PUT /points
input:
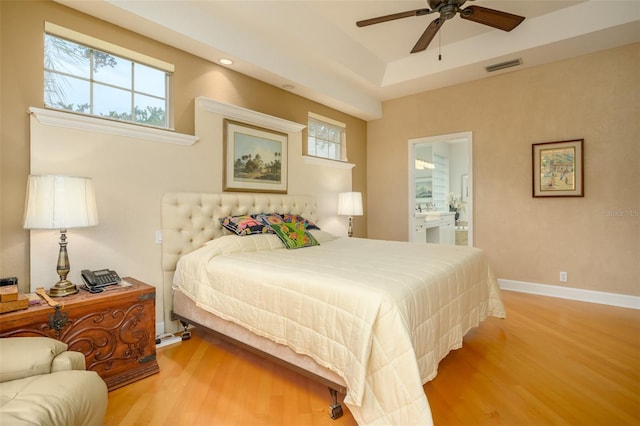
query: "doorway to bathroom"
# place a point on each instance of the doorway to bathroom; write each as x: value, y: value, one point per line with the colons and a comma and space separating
x: 441, y: 189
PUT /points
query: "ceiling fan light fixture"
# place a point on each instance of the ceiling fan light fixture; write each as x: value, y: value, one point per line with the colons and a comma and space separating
x: 448, y: 11
x: 503, y: 65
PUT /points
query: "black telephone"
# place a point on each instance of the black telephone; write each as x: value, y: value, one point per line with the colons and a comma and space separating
x: 99, y: 278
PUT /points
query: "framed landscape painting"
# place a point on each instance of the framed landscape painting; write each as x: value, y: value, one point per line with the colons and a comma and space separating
x: 255, y: 159
x: 424, y: 188
x: 558, y: 169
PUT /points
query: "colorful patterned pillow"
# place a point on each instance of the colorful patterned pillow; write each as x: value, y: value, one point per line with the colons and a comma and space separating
x: 289, y: 217
x: 245, y: 225
x: 265, y: 219
x: 292, y: 234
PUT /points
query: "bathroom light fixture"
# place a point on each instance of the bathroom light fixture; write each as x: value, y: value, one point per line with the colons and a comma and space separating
x: 423, y: 164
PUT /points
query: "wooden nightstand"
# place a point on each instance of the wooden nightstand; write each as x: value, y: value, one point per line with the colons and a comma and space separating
x: 115, y: 329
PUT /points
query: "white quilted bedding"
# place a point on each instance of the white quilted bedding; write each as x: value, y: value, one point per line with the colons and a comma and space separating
x: 380, y: 314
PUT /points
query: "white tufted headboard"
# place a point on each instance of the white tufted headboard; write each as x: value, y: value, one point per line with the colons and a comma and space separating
x: 190, y: 219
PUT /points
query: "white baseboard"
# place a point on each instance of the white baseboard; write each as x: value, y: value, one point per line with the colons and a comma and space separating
x: 603, y: 298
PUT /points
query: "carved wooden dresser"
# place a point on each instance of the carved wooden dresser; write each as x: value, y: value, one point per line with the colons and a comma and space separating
x: 115, y: 329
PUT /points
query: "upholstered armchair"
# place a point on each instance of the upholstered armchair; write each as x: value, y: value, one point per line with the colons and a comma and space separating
x: 41, y: 383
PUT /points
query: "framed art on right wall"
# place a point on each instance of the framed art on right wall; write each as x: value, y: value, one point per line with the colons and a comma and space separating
x: 558, y: 169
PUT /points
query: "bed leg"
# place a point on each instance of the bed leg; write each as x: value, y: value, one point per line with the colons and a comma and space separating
x: 335, y: 409
x: 186, y: 334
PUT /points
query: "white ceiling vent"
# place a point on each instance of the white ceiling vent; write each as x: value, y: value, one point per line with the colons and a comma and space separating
x: 503, y: 65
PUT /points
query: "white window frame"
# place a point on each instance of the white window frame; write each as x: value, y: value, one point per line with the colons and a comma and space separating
x: 332, y: 123
x: 136, y: 57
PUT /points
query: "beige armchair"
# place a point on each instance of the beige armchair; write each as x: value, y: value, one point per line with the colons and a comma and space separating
x: 41, y: 383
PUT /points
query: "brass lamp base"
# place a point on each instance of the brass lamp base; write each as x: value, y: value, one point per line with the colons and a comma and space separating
x: 63, y: 288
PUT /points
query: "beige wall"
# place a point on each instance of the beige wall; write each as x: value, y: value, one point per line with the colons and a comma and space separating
x: 595, y: 97
x: 596, y: 239
x: 21, y: 84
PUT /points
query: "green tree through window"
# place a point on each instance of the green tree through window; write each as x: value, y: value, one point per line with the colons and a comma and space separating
x: 81, y: 79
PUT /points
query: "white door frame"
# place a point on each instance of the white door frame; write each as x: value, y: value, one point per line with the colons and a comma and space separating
x: 452, y: 137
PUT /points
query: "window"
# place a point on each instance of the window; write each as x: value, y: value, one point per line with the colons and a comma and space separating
x: 88, y: 76
x: 326, y: 138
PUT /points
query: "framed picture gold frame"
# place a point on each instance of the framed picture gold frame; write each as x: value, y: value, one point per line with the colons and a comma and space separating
x: 255, y: 159
x: 558, y: 169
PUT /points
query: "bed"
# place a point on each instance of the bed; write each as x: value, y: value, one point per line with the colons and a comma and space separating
x: 370, y: 319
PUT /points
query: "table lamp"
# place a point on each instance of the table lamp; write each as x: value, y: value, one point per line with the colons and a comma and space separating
x: 60, y: 202
x: 350, y: 204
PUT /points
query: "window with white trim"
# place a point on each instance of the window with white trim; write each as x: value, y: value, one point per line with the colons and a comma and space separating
x: 93, y: 77
x: 326, y: 138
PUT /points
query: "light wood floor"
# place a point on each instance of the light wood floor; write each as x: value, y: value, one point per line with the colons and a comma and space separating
x: 551, y: 362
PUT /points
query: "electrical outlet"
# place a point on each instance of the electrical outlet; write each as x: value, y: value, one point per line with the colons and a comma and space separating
x: 563, y: 277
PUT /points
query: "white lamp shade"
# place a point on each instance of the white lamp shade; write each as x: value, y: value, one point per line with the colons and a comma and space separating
x: 350, y: 204
x: 59, y: 202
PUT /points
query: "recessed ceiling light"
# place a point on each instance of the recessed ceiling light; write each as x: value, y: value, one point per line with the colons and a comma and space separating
x: 288, y: 86
x: 225, y: 61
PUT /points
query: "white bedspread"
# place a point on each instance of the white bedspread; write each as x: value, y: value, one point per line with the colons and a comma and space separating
x: 380, y: 314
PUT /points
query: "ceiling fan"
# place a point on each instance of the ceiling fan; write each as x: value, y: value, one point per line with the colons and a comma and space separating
x: 447, y: 10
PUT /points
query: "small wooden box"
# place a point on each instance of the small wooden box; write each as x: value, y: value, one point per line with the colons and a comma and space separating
x: 115, y: 329
x: 8, y: 293
x: 21, y: 302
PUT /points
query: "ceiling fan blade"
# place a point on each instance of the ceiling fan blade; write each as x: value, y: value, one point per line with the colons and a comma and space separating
x: 428, y: 35
x: 393, y: 16
x: 494, y: 18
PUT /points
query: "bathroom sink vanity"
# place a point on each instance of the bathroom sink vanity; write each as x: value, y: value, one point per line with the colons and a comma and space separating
x: 435, y: 227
